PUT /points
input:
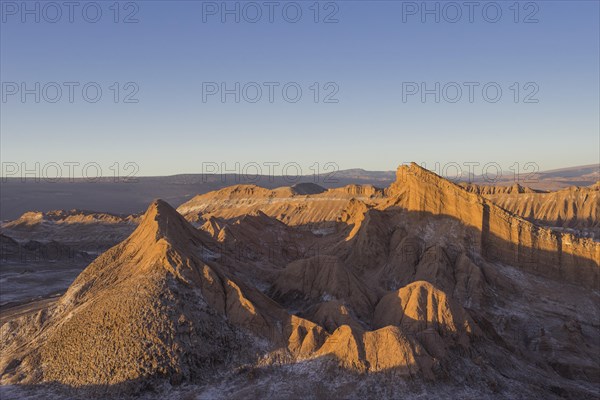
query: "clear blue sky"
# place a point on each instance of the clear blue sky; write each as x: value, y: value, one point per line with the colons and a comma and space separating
x: 368, y: 54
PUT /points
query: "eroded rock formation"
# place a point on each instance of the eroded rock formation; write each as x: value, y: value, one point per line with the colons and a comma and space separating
x: 425, y: 281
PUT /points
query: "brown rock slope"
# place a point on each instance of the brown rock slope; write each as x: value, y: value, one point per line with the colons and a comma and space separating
x: 498, y: 233
x: 504, y: 236
x: 290, y: 206
x: 380, y: 350
x: 575, y: 208
x: 324, y: 278
x: 425, y: 280
x: 154, y: 307
x: 147, y: 308
x: 420, y: 307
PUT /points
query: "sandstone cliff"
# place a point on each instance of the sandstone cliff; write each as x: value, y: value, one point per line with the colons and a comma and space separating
x: 505, y: 237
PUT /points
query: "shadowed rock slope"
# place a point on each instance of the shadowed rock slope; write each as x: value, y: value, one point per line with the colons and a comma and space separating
x: 504, y: 237
x: 424, y: 283
x: 153, y: 307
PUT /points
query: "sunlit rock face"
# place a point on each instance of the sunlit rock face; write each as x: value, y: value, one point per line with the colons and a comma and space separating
x: 422, y: 283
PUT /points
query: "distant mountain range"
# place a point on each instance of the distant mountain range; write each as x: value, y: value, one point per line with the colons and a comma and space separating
x: 106, y: 195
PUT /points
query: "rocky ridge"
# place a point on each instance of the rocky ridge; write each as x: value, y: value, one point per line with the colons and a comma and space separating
x: 423, y: 281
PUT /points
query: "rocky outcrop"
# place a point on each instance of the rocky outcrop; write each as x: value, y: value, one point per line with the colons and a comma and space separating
x: 435, y: 267
x: 332, y: 314
x: 85, y: 230
x: 425, y: 280
x: 470, y: 282
x: 148, y: 308
x: 573, y: 208
x: 497, y: 190
x: 504, y: 237
x: 420, y: 307
x: 294, y: 206
x: 324, y: 278
x: 384, y: 349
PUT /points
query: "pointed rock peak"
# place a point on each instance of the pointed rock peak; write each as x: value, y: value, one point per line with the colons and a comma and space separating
x: 427, y: 191
x: 255, y: 214
x: 517, y: 188
x: 159, y: 204
x: 414, y: 170
x: 257, y: 219
x: 161, y: 220
x: 160, y: 210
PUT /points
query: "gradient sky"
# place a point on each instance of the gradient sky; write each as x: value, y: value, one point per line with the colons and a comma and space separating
x: 369, y: 53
